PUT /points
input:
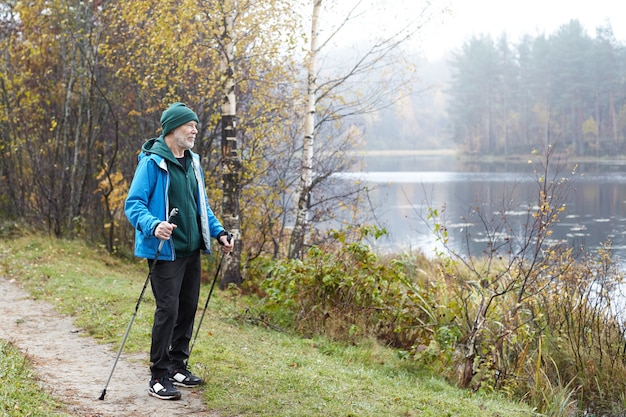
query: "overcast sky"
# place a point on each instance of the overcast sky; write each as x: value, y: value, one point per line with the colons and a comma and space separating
x: 465, y: 18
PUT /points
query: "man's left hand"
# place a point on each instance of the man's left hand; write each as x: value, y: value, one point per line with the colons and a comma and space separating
x: 227, y: 242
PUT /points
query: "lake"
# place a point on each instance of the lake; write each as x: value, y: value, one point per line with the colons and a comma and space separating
x: 408, y: 186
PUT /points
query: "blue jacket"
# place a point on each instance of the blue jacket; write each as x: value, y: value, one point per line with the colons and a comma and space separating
x: 147, y: 204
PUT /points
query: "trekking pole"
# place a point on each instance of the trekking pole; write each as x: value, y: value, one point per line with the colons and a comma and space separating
x: 219, y: 265
x: 173, y: 213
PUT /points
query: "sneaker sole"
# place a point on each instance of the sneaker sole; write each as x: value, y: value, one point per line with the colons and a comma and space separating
x: 163, y: 397
x: 180, y: 384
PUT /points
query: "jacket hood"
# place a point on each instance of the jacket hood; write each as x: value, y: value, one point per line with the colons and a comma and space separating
x: 158, y: 146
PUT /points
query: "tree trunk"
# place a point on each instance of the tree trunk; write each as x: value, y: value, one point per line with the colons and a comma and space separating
x: 469, y: 347
x: 298, y: 237
x: 231, y: 162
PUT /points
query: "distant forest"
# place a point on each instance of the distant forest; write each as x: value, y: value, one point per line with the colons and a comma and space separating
x: 503, y: 98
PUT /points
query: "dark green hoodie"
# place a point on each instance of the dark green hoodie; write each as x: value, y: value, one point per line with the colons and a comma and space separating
x: 182, y: 194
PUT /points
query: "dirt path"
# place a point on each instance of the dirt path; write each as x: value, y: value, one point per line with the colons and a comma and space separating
x: 74, y: 368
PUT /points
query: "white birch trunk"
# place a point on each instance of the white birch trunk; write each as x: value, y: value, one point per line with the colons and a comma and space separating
x: 298, y: 237
x: 230, y: 156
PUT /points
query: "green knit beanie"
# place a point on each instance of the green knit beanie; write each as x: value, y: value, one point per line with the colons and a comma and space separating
x: 176, y: 115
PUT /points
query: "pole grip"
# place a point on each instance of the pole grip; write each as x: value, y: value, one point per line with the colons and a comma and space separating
x: 173, y: 213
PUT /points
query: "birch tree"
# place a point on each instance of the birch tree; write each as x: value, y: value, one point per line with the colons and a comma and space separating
x: 254, y: 42
x: 367, y: 79
x: 231, y: 162
x: 306, y: 169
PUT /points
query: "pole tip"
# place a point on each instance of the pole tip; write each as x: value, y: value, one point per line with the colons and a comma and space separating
x: 104, y: 392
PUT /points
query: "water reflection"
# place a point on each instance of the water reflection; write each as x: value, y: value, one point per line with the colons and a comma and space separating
x: 595, y: 201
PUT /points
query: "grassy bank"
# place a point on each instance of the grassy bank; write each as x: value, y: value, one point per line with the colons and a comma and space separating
x: 19, y: 394
x: 251, y: 370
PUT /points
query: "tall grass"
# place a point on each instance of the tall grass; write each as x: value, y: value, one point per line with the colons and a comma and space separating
x: 562, y: 326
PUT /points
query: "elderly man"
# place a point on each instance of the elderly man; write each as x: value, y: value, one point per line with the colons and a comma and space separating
x: 168, y: 176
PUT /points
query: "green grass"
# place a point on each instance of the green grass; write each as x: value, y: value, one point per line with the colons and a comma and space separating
x: 19, y: 393
x: 250, y: 370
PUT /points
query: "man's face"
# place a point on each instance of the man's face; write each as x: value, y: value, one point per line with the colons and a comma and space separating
x: 185, y: 135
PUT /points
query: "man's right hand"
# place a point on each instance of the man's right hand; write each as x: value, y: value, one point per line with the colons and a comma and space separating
x: 164, y: 230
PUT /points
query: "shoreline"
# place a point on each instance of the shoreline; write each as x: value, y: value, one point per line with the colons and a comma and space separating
x: 405, y: 152
x: 616, y: 159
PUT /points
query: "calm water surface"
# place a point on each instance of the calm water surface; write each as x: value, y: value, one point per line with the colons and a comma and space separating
x: 409, y: 186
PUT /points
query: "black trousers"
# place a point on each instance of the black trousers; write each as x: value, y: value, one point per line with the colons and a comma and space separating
x: 176, y: 289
